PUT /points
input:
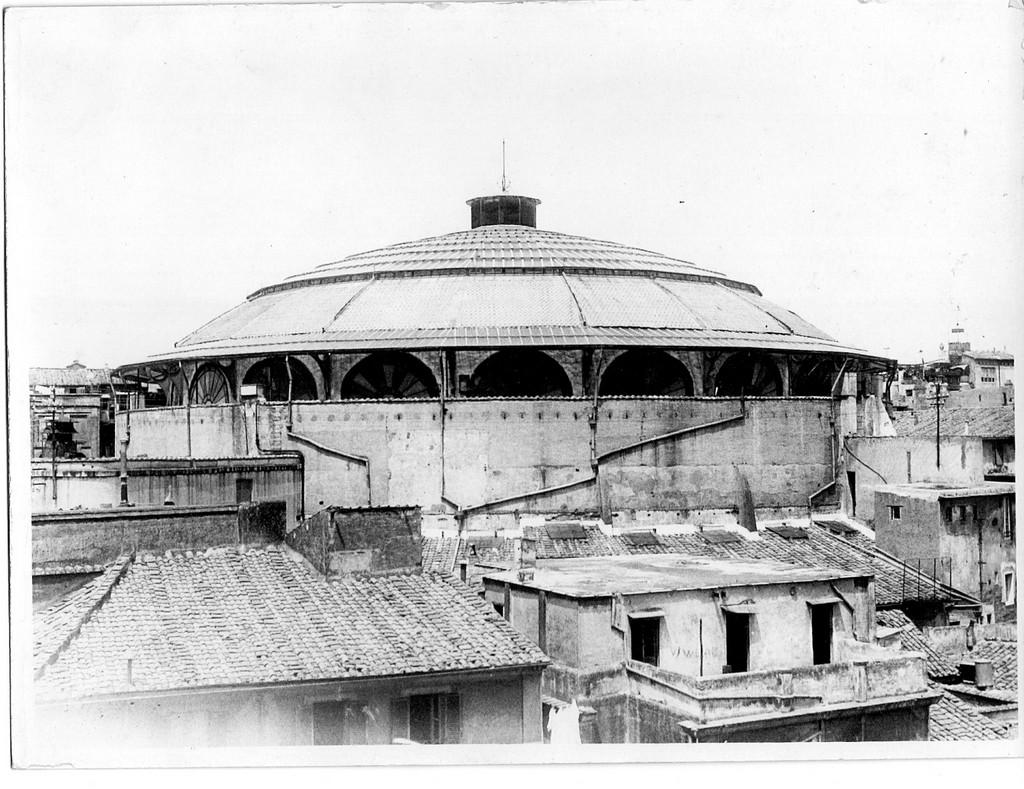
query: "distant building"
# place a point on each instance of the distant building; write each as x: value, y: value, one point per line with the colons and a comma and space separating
x: 987, y: 369
x: 972, y: 530
x: 72, y: 411
x: 253, y: 647
x: 970, y: 446
x: 676, y: 648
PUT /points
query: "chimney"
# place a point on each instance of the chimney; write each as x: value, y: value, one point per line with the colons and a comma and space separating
x: 503, y: 210
x: 984, y: 674
x: 527, y: 559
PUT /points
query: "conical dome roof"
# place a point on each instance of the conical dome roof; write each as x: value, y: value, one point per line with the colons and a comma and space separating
x: 500, y: 285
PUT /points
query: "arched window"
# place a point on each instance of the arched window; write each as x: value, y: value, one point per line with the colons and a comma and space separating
x: 750, y: 374
x: 271, y: 375
x: 812, y: 377
x: 646, y: 373
x: 520, y: 373
x: 209, y: 386
x: 389, y: 374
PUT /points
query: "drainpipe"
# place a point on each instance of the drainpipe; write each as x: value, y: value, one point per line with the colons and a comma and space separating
x: 595, y: 465
x: 443, y: 360
x: 188, y: 411
x: 288, y: 368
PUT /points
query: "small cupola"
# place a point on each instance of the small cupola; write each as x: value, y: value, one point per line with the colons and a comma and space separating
x: 503, y: 210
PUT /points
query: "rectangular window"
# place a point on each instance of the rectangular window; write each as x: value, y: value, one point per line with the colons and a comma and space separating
x: 821, y: 633
x: 895, y: 512
x: 988, y: 375
x: 1009, y: 587
x: 338, y: 723
x: 737, y: 642
x: 243, y: 491
x: 429, y: 719
x: 645, y: 639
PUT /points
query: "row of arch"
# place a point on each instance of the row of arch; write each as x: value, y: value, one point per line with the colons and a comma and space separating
x: 521, y: 373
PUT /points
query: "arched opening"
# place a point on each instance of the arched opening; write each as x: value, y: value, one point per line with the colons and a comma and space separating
x: 520, y: 373
x: 749, y: 374
x: 389, y: 374
x: 209, y: 386
x: 812, y: 377
x: 271, y: 376
x: 646, y: 373
x: 155, y: 395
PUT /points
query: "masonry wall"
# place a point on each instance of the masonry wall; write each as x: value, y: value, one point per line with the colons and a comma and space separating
x: 884, y: 461
x: 390, y: 453
x: 692, y: 636
x: 92, y: 484
x: 926, y: 530
x: 496, y: 707
x: 96, y: 537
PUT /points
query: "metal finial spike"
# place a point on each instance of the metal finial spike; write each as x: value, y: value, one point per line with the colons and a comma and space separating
x: 504, y: 179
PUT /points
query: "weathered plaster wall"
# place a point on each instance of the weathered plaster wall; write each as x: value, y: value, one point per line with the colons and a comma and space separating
x: 501, y: 707
x: 925, y: 530
x: 96, y: 483
x: 693, y: 639
x: 494, y: 449
x: 961, y: 463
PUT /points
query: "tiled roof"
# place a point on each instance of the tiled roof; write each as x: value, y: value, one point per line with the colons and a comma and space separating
x: 937, y: 665
x: 227, y: 617
x: 73, y: 375
x: 1003, y: 655
x: 895, y: 582
x: 951, y: 719
x: 983, y: 421
x: 1002, y: 356
x: 439, y: 554
x: 56, y: 624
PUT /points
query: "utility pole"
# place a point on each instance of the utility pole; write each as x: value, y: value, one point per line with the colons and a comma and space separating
x: 938, y: 397
x: 53, y: 440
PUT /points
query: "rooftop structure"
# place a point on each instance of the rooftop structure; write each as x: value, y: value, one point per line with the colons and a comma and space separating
x: 806, y: 545
x: 264, y: 650
x: 675, y: 648
x: 628, y: 575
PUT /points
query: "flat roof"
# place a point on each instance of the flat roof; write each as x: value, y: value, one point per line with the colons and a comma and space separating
x: 606, y: 576
x: 933, y: 491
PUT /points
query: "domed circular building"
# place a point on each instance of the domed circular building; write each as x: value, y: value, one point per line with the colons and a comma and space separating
x: 397, y: 372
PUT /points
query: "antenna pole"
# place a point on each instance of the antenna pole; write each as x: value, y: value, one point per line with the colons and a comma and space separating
x: 504, y: 180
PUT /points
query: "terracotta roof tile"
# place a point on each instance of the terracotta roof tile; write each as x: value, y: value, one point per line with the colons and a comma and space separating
x: 983, y: 421
x: 938, y: 666
x: 226, y: 617
x: 951, y: 719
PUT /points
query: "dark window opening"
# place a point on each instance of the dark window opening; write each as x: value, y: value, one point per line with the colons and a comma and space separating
x: 646, y: 373
x: 338, y: 723
x: 272, y: 378
x: 737, y: 642
x: 520, y: 373
x: 821, y: 633
x: 645, y: 638
x: 432, y: 719
x: 851, y: 483
x: 895, y: 512
x: 243, y: 491
x: 748, y: 374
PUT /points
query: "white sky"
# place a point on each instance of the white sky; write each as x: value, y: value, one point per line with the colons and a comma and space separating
x: 861, y: 163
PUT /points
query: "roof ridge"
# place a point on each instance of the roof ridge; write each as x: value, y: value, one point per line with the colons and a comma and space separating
x: 118, y: 569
